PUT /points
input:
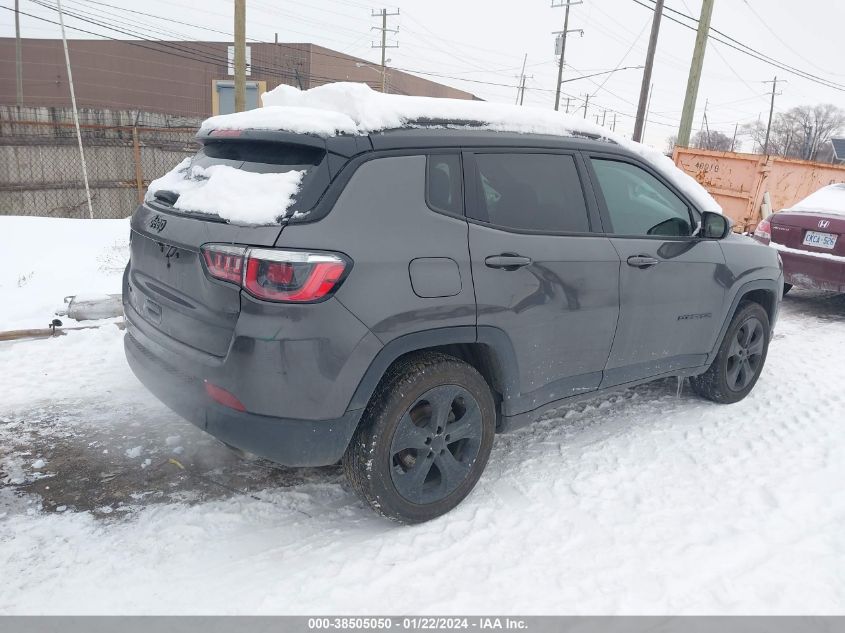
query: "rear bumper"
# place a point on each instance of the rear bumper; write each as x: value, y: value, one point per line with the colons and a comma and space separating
x: 287, y: 441
x: 813, y: 272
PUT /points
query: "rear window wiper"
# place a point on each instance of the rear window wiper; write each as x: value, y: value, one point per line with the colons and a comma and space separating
x: 165, y: 195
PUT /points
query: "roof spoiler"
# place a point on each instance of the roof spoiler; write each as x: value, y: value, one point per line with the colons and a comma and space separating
x: 343, y: 144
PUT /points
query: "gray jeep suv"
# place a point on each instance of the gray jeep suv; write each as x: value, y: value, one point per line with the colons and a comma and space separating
x: 433, y: 287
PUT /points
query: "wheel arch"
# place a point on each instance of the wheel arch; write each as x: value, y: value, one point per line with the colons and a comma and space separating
x: 487, y: 349
x: 764, y: 292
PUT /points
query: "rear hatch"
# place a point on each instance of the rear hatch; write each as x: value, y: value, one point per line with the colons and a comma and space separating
x: 168, y: 286
x: 811, y: 231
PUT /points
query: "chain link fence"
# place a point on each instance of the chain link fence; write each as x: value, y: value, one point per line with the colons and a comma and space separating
x: 40, y: 167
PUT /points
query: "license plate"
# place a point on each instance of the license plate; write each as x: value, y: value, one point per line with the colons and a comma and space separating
x: 820, y: 240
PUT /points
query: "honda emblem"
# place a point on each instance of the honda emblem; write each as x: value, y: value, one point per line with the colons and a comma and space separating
x: 823, y: 224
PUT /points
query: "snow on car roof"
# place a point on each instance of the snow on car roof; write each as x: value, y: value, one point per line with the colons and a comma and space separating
x: 353, y: 108
x: 829, y: 199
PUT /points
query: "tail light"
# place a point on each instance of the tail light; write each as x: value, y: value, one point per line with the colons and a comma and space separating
x: 224, y: 262
x: 276, y: 274
x: 763, y: 230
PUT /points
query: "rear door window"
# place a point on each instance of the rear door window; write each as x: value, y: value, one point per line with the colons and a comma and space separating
x: 531, y: 192
x: 444, y: 183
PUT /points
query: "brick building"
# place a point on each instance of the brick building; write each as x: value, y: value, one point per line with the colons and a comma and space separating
x: 183, y: 78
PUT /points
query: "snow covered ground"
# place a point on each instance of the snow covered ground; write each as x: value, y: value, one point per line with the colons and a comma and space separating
x: 46, y: 259
x: 642, y: 502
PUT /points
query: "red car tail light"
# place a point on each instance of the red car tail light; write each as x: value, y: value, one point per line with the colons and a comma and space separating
x: 763, y: 230
x: 221, y: 396
x: 224, y: 262
x: 294, y: 276
x: 277, y: 274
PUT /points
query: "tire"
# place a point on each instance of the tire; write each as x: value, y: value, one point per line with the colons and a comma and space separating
x: 404, y: 460
x: 740, y: 359
x: 786, y: 288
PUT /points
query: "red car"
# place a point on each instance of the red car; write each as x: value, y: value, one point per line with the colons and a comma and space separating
x: 810, y: 237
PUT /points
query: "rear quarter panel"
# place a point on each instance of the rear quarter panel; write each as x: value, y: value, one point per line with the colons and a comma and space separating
x: 381, y: 220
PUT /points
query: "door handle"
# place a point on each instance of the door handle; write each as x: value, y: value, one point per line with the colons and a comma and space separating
x: 507, y: 261
x: 642, y: 261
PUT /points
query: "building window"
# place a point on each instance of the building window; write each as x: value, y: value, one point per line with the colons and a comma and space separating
x: 223, y: 95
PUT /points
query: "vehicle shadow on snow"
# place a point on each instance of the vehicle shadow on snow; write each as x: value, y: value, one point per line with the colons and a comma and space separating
x: 78, y: 459
x: 83, y: 459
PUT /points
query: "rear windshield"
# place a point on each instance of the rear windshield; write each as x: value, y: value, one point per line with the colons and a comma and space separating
x: 258, y: 156
x: 266, y: 157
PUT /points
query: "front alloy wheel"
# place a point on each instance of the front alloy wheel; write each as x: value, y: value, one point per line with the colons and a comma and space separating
x: 740, y: 359
x: 745, y: 355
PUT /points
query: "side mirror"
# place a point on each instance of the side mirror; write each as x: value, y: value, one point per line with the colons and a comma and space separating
x: 714, y: 226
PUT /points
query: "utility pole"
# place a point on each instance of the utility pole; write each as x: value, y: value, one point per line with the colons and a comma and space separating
x: 733, y: 140
x: 613, y: 127
x: 603, y: 118
x: 18, y: 56
x: 705, y: 126
x: 645, y: 92
x: 774, y: 83
x: 567, y: 4
x: 647, y: 110
x: 522, y: 94
x: 586, y: 104
x: 695, y: 72
x: 75, y: 112
x: 521, y: 85
x: 384, y: 45
x: 240, y: 55
x: 567, y: 104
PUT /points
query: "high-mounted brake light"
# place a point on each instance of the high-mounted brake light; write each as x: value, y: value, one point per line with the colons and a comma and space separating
x: 226, y: 133
x: 764, y: 230
x: 277, y: 274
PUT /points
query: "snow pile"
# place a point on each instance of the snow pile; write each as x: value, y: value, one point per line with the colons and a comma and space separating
x: 294, y: 119
x: 351, y: 108
x: 43, y: 260
x: 830, y: 199
x: 235, y: 195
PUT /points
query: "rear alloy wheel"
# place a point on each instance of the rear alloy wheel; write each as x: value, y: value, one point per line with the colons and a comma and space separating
x: 740, y: 359
x: 424, y: 439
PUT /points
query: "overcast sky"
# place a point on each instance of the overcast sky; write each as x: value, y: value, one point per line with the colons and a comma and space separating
x: 485, y: 42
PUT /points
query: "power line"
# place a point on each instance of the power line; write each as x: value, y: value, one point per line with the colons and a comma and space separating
x: 178, y: 51
x: 745, y: 49
x: 783, y: 41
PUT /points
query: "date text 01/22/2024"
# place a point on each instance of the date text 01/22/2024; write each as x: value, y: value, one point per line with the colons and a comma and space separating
x: 417, y: 623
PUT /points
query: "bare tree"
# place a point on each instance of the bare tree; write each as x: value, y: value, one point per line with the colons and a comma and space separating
x: 670, y: 144
x: 801, y: 132
x: 713, y: 139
